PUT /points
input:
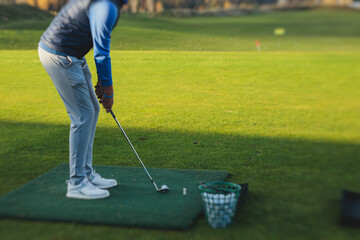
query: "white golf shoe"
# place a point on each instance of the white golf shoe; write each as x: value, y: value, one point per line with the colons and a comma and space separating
x: 85, y: 190
x: 101, y: 182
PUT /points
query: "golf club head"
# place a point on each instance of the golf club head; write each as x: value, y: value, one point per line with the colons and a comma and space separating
x: 163, y: 189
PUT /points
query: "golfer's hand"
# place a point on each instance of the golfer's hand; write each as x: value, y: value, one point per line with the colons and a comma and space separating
x: 107, y: 102
x: 99, y: 90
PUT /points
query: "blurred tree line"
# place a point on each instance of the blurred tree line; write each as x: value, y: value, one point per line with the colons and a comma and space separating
x: 135, y: 6
x: 160, y: 5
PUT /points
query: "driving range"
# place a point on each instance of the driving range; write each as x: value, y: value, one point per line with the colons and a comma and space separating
x: 196, y: 94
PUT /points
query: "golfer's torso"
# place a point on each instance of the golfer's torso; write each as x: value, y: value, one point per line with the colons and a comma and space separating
x: 70, y: 31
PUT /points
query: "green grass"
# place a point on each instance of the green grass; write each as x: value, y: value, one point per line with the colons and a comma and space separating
x: 305, y: 31
x: 285, y: 120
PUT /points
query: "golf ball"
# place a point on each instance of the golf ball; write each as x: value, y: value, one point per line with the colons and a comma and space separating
x: 227, y: 219
x: 228, y: 197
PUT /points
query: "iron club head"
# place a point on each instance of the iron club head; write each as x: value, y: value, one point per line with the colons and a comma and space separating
x: 163, y: 189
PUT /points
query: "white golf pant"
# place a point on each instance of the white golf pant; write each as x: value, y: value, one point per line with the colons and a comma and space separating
x: 72, y: 79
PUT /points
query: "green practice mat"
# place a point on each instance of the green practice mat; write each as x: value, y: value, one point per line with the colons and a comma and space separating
x: 134, y: 202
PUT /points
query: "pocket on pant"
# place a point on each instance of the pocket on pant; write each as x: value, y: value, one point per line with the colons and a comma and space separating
x: 62, y: 61
x: 86, y: 71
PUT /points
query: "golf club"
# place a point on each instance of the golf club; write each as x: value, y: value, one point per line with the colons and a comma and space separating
x: 163, y: 188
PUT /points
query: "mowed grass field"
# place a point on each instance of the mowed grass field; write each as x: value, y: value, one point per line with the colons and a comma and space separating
x: 285, y: 120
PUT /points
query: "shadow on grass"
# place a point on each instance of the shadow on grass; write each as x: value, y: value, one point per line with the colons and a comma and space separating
x: 296, y: 180
x: 40, y: 147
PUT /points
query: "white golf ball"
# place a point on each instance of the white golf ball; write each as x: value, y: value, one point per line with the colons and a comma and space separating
x: 222, y: 224
x: 227, y: 219
x: 230, y: 213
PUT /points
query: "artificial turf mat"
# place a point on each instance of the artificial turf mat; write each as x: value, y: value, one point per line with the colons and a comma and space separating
x: 134, y: 202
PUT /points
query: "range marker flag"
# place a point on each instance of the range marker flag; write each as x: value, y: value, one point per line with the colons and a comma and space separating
x: 257, y: 43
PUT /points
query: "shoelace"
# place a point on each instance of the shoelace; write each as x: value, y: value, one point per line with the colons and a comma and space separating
x: 95, y: 174
x: 85, y: 182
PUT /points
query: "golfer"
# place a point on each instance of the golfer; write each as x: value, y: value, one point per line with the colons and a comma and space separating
x: 79, y: 26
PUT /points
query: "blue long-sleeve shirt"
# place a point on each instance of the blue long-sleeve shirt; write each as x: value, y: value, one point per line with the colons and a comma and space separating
x: 102, y: 17
x: 81, y: 25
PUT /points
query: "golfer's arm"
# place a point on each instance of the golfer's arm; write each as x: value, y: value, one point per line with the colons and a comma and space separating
x: 102, y: 17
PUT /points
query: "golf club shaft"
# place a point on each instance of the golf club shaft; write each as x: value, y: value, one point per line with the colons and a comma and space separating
x: 122, y: 130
